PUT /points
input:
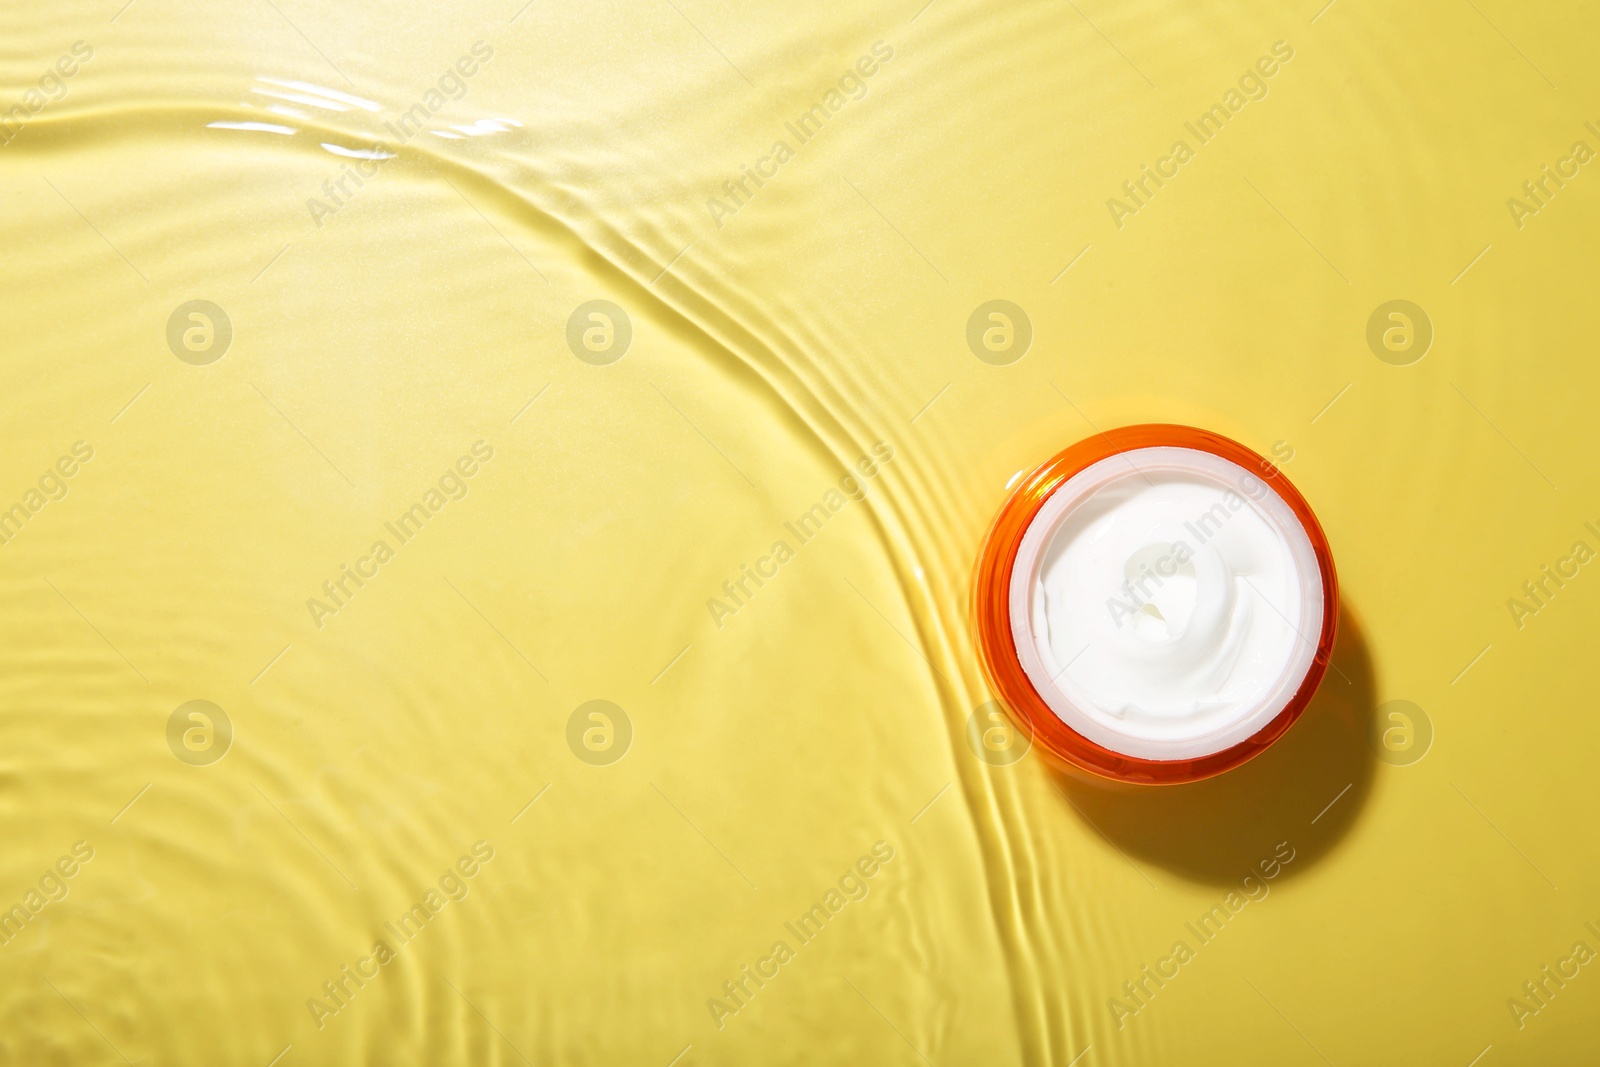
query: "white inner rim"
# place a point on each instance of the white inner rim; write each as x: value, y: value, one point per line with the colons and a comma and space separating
x: 1213, y: 733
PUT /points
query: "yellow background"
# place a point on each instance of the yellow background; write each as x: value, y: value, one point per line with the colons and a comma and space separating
x: 374, y: 345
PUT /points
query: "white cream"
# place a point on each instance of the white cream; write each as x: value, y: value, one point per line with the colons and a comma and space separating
x: 1166, y: 603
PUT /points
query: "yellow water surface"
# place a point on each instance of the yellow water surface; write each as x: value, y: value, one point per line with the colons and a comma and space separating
x: 489, y: 495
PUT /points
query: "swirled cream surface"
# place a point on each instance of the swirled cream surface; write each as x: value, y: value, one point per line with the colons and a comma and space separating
x: 1165, y: 603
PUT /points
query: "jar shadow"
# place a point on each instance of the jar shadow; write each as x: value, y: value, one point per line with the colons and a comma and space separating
x: 1307, y: 789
